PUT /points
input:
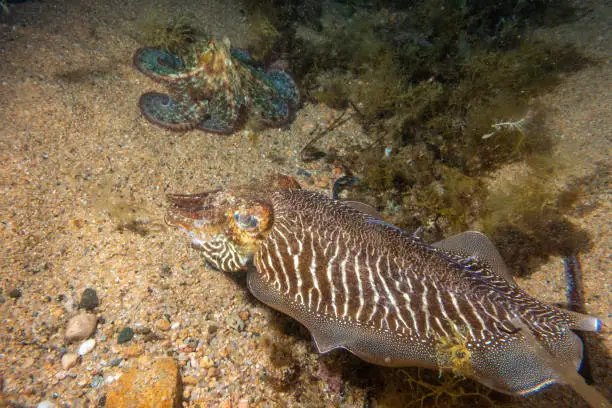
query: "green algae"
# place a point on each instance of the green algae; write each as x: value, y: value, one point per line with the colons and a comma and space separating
x: 174, y: 33
x: 528, y: 217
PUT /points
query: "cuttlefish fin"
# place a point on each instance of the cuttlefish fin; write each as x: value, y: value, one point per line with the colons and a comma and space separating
x: 478, y: 245
x: 364, y: 208
x: 563, y: 370
x: 584, y: 322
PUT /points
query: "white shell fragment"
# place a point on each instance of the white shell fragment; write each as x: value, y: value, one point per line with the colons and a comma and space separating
x: 86, y: 346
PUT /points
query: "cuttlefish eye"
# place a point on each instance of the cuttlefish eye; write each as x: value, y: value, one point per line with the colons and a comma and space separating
x: 246, y: 221
x: 251, y: 219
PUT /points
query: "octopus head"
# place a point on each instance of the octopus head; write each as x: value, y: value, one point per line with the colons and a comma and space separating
x: 216, y: 57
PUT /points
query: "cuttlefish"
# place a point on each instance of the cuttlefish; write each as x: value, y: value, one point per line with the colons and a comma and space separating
x: 359, y: 283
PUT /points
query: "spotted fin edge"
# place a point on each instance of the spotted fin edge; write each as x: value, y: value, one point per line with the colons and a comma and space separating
x: 584, y: 322
x: 565, y: 374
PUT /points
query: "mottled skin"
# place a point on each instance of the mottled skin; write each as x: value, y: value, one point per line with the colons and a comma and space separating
x: 218, y: 94
x: 361, y: 284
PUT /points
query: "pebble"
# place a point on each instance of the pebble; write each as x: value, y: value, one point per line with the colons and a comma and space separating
x: 89, y: 299
x: 133, y: 350
x: 190, y: 380
x: 235, y: 322
x: 15, y: 294
x: 81, y: 326
x: 97, y: 381
x: 163, y: 325
x: 206, y: 362
x: 46, y: 404
x: 116, y: 362
x: 125, y: 335
x: 69, y: 360
x: 86, y: 346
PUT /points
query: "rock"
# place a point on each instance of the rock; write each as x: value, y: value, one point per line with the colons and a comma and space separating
x: 46, y: 404
x: 116, y: 362
x: 190, y: 380
x: 87, y: 346
x: 125, y: 335
x: 15, y: 294
x: 69, y: 360
x: 134, y: 350
x: 97, y: 381
x: 163, y: 325
x: 89, y: 299
x: 235, y: 322
x: 206, y: 362
x: 81, y: 326
x: 156, y: 386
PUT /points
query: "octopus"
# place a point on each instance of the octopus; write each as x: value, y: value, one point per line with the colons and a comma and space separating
x: 359, y: 283
x: 223, y: 88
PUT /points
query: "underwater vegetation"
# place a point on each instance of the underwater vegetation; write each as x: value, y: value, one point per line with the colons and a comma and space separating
x: 263, y: 35
x: 177, y: 34
x: 423, y: 388
x: 126, y: 214
x: 449, y: 91
x: 528, y: 217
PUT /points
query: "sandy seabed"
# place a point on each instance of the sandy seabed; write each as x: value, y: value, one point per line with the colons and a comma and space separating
x: 82, y: 183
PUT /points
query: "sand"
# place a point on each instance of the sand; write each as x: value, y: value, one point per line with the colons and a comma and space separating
x: 82, y: 183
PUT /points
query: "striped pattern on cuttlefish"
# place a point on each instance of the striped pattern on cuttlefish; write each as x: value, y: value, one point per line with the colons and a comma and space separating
x: 359, y: 283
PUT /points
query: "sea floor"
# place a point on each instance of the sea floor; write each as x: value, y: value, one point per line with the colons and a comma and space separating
x: 83, y: 178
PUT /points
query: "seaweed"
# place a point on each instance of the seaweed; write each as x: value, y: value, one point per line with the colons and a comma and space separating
x: 526, y: 218
x: 418, y: 388
x: 125, y: 213
x: 449, y: 91
x: 263, y: 35
x: 177, y: 34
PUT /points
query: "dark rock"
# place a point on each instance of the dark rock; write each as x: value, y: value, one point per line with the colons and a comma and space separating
x: 125, y: 335
x: 89, y: 299
x: 116, y: 362
x: 15, y: 293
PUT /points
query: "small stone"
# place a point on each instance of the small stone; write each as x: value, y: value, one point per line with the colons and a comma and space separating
x: 116, y: 362
x: 190, y: 380
x: 135, y: 388
x: 87, y: 346
x: 125, y: 335
x: 89, y: 299
x: 163, y: 325
x: 15, y: 293
x: 133, y: 350
x: 235, y: 322
x: 69, y: 360
x: 97, y: 381
x: 81, y: 326
x: 206, y: 362
x: 46, y: 404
